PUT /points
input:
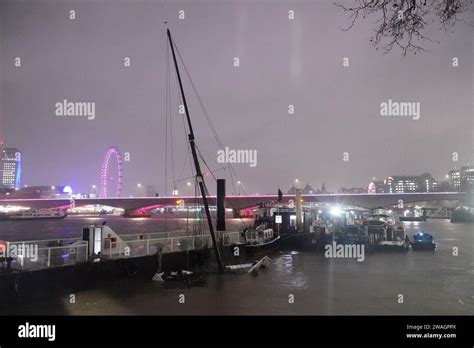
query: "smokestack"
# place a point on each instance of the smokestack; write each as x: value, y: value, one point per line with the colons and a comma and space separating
x: 299, y: 218
x: 220, y: 225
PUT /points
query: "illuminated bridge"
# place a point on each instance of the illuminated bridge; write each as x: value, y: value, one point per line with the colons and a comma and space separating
x: 141, y: 205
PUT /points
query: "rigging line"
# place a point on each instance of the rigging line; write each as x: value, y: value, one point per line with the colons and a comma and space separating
x: 189, y: 77
x: 213, y: 130
x: 185, y: 135
x: 180, y: 177
x: 168, y: 111
x: 192, y: 177
x: 166, y: 116
x: 188, y: 147
x: 205, y: 163
x: 216, y: 136
x: 199, y: 98
x: 172, y: 148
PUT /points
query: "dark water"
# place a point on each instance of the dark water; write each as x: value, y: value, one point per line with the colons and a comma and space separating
x: 431, y: 283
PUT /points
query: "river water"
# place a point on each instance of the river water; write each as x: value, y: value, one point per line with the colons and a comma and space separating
x: 423, y: 283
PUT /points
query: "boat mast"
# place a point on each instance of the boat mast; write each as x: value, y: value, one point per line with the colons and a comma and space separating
x: 199, y: 177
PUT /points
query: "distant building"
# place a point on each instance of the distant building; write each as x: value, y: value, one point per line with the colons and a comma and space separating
x: 467, y: 178
x: 45, y: 191
x: 307, y: 190
x: 411, y: 183
x: 462, y: 179
x: 427, y: 183
x: 455, y: 179
x: 352, y: 190
x: 10, y: 174
x: 377, y: 187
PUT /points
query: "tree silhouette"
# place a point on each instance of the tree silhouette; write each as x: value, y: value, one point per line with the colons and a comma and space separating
x: 403, y: 23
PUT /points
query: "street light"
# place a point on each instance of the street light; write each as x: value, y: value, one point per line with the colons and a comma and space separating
x: 297, y: 184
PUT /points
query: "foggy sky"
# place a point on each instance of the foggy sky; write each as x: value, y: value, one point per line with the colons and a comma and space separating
x: 282, y: 62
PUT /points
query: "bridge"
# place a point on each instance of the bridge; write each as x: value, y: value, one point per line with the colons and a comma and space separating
x: 139, y: 206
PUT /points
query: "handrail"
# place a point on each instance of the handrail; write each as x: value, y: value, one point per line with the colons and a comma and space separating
x: 40, y: 240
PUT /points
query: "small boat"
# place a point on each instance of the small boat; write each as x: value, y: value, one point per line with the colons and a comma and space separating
x: 462, y: 214
x: 395, y: 240
x: 36, y: 214
x: 423, y: 241
x: 385, y: 235
x: 261, y: 240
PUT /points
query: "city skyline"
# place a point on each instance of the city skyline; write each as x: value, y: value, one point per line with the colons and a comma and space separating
x: 299, y: 63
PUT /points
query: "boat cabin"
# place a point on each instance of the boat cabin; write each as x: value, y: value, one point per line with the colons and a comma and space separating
x: 283, y: 219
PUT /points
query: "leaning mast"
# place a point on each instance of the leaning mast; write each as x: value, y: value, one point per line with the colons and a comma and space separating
x: 199, y: 176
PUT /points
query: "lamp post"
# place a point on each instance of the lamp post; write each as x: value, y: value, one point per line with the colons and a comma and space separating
x: 187, y: 208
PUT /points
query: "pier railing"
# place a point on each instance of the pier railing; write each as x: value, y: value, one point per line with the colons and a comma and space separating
x: 154, y: 235
x: 36, y: 255
x: 229, y: 238
x: 148, y: 246
x: 40, y: 254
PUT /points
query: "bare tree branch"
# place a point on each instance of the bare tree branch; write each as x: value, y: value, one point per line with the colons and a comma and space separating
x: 402, y: 23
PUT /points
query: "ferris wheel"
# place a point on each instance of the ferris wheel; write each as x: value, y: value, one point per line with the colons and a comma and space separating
x: 111, y: 174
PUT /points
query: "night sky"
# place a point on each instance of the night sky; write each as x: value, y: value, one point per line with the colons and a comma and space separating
x: 282, y: 62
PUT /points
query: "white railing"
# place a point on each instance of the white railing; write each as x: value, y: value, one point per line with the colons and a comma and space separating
x: 44, y: 243
x: 154, y: 235
x: 149, y: 246
x: 229, y: 238
x: 36, y: 258
x: 46, y: 254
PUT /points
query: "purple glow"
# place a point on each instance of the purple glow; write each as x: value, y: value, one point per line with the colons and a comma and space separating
x: 113, y: 150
